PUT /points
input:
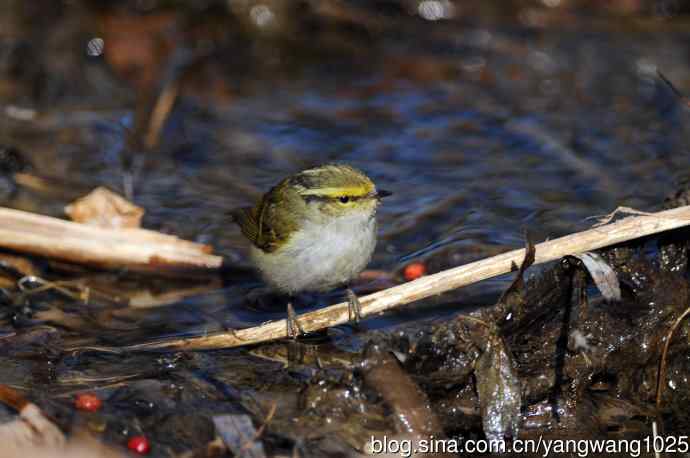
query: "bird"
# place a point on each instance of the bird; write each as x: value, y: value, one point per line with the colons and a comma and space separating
x: 314, y: 231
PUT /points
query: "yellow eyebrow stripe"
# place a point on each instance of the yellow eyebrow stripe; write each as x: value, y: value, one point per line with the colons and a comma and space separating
x: 357, y: 191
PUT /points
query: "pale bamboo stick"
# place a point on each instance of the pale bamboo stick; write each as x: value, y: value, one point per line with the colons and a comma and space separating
x: 598, y: 237
x: 135, y: 249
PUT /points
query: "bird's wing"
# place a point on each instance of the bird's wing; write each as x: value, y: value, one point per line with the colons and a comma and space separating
x: 253, y: 225
x: 245, y: 217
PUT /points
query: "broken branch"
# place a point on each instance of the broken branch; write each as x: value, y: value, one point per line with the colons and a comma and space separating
x: 134, y: 249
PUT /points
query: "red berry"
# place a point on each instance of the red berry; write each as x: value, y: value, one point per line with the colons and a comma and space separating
x: 414, y: 270
x: 87, y: 401
x: 139, y: 444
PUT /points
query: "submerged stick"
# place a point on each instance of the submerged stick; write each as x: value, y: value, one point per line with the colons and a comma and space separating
x: 135, y: 249
x: 592, y: 239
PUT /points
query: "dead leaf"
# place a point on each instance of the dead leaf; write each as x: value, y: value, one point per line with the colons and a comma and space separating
x: 498, y: 389
x: 603, y: 275
x: 103, y: 208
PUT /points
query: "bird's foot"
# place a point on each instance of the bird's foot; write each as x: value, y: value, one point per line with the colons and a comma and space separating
x: 354, y: 308
x: 294, y: 329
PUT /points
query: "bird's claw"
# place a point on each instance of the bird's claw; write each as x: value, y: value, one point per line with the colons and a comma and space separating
x: 354, y: 307
x: 294, y: 328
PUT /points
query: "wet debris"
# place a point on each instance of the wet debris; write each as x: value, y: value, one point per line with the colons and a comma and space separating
x: 553, y: 356
x: 335, y: 406
x: 497, y: 384
x: 239, y: 435
x: 558, y: 357
x: 498, y: 389
x: 411, y: 410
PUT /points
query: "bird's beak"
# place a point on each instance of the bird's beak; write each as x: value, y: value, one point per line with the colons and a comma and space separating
x: 381, y: 193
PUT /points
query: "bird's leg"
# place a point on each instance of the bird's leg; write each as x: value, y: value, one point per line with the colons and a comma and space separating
x: 354, y: 308
x: 294, y: 329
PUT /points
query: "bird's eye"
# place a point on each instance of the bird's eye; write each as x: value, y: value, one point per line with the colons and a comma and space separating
x: 343, y: 199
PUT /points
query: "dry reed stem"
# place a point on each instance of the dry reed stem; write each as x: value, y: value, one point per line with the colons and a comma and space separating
x: 620, y: 231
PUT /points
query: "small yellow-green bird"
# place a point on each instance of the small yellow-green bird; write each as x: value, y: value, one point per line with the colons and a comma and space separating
x: 313, y: 231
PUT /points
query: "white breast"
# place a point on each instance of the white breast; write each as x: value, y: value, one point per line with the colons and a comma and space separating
x: 320, y: 257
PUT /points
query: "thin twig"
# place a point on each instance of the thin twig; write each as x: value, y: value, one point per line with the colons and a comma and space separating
x: 592, y: 239
x: 661, y: 374
x: 603, y: 220
x: 71, y: 288
x: 271, y: 413
x: 683, y: 98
